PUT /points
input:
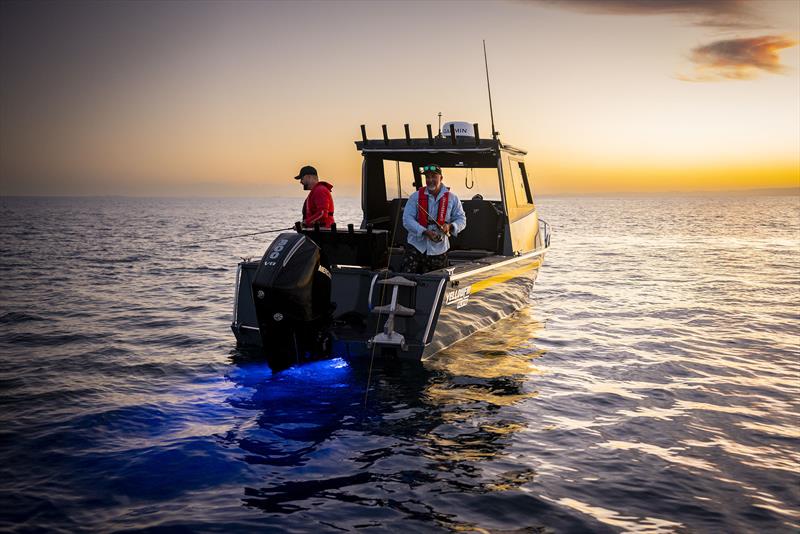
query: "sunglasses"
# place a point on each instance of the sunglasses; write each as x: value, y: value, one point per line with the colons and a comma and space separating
x: 432, y: 168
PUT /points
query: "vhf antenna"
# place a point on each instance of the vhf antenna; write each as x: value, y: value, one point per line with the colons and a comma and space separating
x: 489, y: 87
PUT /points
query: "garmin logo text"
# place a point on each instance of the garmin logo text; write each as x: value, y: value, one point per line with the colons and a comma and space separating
x: 462, y: 129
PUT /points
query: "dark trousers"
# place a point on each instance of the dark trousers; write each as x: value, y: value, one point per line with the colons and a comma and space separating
x: 418, y: 262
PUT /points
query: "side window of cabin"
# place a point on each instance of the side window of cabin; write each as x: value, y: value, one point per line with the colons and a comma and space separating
x: 468, y: 182
x: 525, y: 182
x: 398, y: 172
x: 522, y: 192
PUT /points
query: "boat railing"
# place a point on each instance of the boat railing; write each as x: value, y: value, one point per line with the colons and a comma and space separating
x: 544, y: 230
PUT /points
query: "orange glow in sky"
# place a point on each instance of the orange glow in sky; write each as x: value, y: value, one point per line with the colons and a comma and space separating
x: 231, y: 98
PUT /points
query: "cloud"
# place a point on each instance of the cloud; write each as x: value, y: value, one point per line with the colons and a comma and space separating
x: 738, y: 59
x: 711, y: 13
x: 729, y: 59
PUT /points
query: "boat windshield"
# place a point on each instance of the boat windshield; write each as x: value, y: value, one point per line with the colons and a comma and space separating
x: 399, y: 176
x: 466, y: 182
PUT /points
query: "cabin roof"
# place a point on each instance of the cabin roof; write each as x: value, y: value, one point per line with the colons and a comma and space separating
x: 436, y: 145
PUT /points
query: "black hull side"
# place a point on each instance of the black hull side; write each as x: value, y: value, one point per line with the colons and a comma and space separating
x: 490, y: 300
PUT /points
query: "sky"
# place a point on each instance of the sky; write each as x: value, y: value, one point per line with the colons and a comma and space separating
x: 232, y: 98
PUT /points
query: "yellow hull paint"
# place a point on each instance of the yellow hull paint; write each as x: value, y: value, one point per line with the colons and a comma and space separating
x: 500, y: 278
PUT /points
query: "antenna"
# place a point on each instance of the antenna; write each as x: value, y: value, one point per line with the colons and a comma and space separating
x: 489, y: 87
x: 440, y: 124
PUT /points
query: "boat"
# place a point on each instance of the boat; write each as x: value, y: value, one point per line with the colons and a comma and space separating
x: 339, y: 292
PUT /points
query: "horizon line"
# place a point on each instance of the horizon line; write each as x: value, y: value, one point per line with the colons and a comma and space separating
x: 760, y: 191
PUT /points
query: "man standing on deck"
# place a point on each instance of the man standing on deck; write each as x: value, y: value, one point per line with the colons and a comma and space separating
x: 432, y: 213
x: 318, y: 207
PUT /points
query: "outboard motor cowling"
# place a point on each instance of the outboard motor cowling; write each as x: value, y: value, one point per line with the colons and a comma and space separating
x: 292, y: 299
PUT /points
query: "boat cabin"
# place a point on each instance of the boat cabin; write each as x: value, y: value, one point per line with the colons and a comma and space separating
x: 488, y: 176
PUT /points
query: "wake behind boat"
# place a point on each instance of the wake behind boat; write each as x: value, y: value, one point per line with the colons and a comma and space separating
x: 320, y: 291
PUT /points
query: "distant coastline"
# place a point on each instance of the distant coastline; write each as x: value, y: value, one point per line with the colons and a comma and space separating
x: 757, y: 192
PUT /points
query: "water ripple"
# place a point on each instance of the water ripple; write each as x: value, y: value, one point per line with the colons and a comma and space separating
x: 651, y: 386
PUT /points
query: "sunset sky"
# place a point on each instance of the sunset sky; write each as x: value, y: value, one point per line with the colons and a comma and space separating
x: 231, y: 98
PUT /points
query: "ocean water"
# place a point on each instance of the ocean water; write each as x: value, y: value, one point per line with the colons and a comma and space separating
x: 652, y: 384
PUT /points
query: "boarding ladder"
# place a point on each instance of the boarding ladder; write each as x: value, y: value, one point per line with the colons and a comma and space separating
x: 389, y: 337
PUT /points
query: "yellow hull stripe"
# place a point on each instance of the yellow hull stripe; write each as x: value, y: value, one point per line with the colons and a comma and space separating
x: 500, y: 278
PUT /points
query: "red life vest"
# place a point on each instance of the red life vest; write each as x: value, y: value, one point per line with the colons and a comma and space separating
x: 422, y: 207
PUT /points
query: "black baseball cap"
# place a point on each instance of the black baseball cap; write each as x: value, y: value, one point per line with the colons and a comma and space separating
x: 308, y: 169
x: 432, y: 167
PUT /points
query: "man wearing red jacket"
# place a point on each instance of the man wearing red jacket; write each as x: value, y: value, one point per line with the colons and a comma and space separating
x: 318, y: 207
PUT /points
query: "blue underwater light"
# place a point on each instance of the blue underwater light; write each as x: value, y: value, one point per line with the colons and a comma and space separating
x: 250, y: 374
x: 323, y: 371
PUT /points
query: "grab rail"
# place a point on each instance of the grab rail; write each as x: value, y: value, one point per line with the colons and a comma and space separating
x: 544, y: 225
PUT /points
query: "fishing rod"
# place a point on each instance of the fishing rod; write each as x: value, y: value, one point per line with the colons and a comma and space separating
x: 397, y: 219
x: 239, y: 235
x: 433, y: 219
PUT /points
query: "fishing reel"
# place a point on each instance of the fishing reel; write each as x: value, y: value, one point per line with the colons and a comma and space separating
x: 438, y: 236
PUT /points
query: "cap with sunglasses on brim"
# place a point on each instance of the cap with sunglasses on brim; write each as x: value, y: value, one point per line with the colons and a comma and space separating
x: 432, y: 168
x: 308, y: 169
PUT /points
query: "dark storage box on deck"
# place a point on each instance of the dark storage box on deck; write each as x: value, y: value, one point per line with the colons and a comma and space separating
x: 366, y: 248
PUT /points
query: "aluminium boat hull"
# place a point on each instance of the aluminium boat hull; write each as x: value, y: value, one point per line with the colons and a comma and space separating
x: 479, y: 301
x: 448, y: 306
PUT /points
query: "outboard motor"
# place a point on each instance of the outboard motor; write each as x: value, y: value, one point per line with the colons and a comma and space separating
x: 292, y: 295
